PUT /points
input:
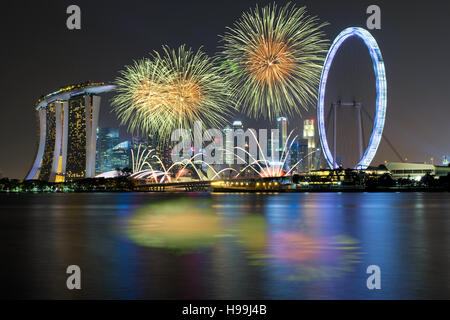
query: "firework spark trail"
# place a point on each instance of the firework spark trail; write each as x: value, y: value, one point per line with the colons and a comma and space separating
x: 140, y: 159
x: 273, y: 59
x: 267, y: 170
x: 171, y: 90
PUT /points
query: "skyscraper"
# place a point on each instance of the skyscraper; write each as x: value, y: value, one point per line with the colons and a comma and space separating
x: 107, y: 139
x: 161, y: 150
x: 68, y: 121
x: 298, y: 155
x: 239, y: 141
x: 237, y: 125
x: 229, y: 145
x: 282, y: 130
x: 309, y: 135
x: 119, y: 156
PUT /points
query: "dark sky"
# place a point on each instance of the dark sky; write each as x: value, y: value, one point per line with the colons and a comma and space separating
x: 39, y: 54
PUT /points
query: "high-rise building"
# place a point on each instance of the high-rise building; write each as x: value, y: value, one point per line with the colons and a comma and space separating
x: 111, y: 154
x: 309, y: 134
x: 229, y: 145
x: 107, y: 139
x: 239, y: 141
x: 238, y: 125
x: 298, y: 155
x: 119, y: 156
x: 68, y: 121
x: 282, y: 131
x: 161, y: 150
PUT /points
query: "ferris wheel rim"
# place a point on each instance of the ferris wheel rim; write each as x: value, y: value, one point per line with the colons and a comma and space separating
x: 381, y: 98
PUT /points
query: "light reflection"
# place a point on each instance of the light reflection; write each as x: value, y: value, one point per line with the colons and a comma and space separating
x: 189, y: 225
x: 297, y: 251
x: 182, y: 225
x: 314, y: 258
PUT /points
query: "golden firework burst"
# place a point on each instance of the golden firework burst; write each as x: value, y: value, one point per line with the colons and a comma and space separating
x: 273, y: 58
x: 270, y: 61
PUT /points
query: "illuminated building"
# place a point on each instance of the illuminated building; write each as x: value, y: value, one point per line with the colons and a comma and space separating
x: 415, y: 171
x: 298, y: 154
x: 282, y: 131
x: 238, y: 134
x: 349, y: 177
x: 309, y: 135
x: 107, y: 139
x: 120, y: 156
x: 161, y: 149
x: 229, y: 145
x: 294, y: 156
x: 445, y: 161
x: 113, y: 155
x: 239, y: 141
x: 68, y: 120
x: 238, y: 125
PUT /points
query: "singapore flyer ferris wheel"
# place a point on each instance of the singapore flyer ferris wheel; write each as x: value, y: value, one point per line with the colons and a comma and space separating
x: 381, y: 96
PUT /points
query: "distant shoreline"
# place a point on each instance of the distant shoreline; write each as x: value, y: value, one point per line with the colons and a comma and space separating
x: 261, y: 185
x: 226, y: 190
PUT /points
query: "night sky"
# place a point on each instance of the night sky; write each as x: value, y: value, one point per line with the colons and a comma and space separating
x: 39, y: 55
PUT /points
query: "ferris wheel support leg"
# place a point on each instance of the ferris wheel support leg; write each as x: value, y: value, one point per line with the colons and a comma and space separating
x: 334, y: 136
x: 360, y: 132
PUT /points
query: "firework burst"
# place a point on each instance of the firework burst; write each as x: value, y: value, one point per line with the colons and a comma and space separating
x: 273, y: 59
x: 169, y: 91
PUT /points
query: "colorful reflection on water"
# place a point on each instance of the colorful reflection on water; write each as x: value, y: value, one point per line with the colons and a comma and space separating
x: 186, y: 226
x: 225, y: 246
x: 180, y: 225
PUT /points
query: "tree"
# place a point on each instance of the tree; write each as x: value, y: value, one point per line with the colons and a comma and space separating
x: 386, y: 180
x: 428, y: 180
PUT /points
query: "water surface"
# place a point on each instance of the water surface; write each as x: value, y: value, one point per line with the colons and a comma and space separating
x: 225, y: 246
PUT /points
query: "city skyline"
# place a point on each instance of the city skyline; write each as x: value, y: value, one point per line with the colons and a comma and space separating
x: 413, y: 103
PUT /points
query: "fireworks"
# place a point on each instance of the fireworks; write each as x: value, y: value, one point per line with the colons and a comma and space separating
x: 273, y: 59
x: 169, y: 91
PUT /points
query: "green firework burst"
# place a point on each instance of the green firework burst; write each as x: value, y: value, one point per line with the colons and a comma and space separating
x: 171, y: 90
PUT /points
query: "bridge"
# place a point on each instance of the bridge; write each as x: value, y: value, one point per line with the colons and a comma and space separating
x: 266, y: 184
x: 191, y: 186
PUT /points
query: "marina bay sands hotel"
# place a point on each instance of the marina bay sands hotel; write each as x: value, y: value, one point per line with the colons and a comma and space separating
x: 68, y: 120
